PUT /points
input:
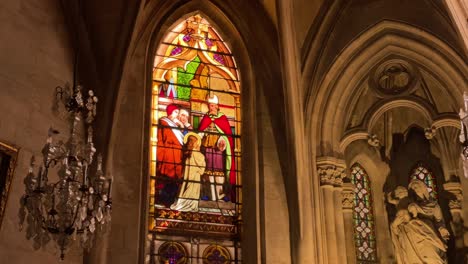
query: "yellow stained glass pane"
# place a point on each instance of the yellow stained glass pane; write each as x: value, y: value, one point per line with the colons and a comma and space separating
x: 155, y: 116
x: 151, y: 224
x: 153, y: 152
x: 155, y: 99
x: 154, y: 134
x: 153, y: 168
x: 152, y: 186
x: 152, y: 205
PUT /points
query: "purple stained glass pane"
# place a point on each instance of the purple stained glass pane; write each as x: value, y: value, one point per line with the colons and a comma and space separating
x: 216, y: 257
x: 219, y: 58
x: 187, y: 38
x: 176, y: 50
x: 209, y: 42
x: 173, y: 253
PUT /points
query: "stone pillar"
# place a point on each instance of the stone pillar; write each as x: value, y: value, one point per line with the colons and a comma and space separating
x: 339, y: 222
x: 331, y: 173
x: 329, y: 220
x: 347, y: 195
x: 455, y: 205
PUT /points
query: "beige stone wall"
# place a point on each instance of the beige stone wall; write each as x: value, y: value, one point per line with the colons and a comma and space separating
x: 35, y: 58
x: 274, y: 212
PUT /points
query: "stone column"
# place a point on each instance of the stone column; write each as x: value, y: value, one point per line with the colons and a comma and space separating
x: 455, y: 205
x: 347, y: 195
x: 331, y: 173
x: 329, y: 220
x: 339, y: 223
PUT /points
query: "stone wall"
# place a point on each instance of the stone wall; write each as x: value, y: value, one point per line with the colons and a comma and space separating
x: 35, y: 57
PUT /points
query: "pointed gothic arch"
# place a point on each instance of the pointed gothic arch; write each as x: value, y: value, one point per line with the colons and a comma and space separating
x: 133, y: 111
x: 359, y: 57
x: 195, y: 159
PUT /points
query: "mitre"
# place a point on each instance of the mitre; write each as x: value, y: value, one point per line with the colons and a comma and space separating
x: 213, y: 99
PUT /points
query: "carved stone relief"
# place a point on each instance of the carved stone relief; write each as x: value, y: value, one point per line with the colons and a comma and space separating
x: 392, y: 77
x: 347, y: 195
x: 455, y: 188
x: 331, y: 171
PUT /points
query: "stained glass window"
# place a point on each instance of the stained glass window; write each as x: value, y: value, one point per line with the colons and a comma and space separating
x: 172, y: 253
x: 422, y: 173
x: 195, y: 161
x: 363, y: 215
x: 216, y: 254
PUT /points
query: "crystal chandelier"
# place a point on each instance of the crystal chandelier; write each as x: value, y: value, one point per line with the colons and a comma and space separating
x: 69, y: 197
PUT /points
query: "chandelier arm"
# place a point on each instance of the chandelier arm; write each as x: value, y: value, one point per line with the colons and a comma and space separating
x: 80, y: 203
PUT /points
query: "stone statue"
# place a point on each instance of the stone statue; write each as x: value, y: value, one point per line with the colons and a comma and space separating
x: 418, y: 230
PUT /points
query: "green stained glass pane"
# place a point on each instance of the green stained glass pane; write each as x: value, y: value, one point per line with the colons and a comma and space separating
x: 196, y: 121
x: 184, y: 76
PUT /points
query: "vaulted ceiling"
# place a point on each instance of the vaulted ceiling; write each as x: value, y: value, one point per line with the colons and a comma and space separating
x: 339, y: 22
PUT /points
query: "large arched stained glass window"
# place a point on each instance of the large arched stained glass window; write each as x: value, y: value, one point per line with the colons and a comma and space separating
x: 195, y: 176
x: 364, y: 231
x: 421, y: 172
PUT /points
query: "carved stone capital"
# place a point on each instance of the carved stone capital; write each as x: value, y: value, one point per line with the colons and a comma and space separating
x: 430, y: 132
x: 331, y: 171
x: 455, y: 188
x: 373, y: 140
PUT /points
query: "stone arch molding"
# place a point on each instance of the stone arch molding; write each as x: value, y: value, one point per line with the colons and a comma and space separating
x: 435, y: 120
x: 332, y: 97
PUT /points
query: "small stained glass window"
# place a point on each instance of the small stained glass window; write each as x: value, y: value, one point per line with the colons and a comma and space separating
x: 364, y: 231
x: 216, y: 254
x: 423, y: 173
x: 172, y: 253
